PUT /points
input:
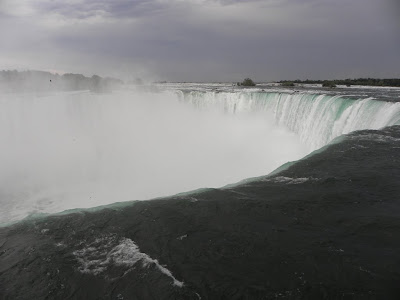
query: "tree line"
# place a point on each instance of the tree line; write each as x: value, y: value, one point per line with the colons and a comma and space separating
x: 44, y: 81
x: 348, y: 82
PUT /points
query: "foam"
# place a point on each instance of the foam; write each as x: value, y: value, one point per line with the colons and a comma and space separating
x: 109, y: 251
x: 289, y: 180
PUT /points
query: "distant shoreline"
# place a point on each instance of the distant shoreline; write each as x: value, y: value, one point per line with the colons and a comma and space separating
x: 33, y: 79
x: 392, y: 82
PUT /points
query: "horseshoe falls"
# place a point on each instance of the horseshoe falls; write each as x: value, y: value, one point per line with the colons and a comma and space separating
x: 72, y: 165
x: 316, y: 119
x: 72, y: 150
x: 81, y: 150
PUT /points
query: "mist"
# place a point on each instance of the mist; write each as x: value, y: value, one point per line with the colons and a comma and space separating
x: 64, y: 150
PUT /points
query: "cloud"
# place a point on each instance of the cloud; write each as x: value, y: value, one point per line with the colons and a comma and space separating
x: 203, y: 39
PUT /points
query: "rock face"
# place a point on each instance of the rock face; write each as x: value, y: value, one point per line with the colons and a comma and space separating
x: 327, y: 227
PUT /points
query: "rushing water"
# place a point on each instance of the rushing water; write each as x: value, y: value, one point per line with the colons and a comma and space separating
x: 316, y: 119
x: 64, y: 151
x: 73, y: 150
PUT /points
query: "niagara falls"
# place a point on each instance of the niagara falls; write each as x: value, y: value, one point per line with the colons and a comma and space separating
x: 199, y: 149
x: 71, y: 150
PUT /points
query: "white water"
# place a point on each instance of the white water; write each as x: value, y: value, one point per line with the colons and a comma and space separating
x: 96, y: 257
x: 79, y: 150
x: 316, y: 119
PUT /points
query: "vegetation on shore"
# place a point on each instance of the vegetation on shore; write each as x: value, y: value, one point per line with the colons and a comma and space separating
x: 246, y: 82
x: 348, y: 82
x: 328, y: 84
x: 287, y: 83
x: 44, y: 81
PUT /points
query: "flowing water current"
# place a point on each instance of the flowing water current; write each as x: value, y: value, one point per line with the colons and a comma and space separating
x: 79, y: 150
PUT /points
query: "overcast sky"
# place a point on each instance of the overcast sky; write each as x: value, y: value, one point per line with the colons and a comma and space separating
x: 203, y: 40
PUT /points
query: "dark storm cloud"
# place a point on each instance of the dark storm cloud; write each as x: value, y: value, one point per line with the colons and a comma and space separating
x: 204, y: 39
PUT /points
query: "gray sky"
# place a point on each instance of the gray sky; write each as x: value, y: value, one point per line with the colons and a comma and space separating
x: 203, y: 40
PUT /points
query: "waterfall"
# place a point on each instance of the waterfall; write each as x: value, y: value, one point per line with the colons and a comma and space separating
x: 72, y: 150
x: 316, y: 119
